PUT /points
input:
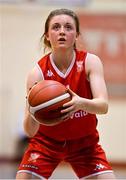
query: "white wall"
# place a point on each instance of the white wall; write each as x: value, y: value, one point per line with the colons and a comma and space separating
x: 21, y: 29
x: 112, y: 130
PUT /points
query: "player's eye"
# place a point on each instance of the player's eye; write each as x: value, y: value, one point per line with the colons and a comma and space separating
x: 56, y: 27
x: 68, y: 27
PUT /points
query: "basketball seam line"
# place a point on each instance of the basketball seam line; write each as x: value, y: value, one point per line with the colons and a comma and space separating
x: 48, y: 103
x: 40, y: 90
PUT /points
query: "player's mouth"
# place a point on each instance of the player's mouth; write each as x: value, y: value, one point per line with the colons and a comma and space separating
x: 61, y: 39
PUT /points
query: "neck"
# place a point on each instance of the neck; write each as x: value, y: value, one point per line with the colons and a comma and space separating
x: 63, y: 56
x: 63, y: 59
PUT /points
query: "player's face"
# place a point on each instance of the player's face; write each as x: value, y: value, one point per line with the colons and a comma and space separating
x: 62, y: 32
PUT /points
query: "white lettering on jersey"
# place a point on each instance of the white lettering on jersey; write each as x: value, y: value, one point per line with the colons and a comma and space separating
x: 79, y: 114
x: 29, y: 166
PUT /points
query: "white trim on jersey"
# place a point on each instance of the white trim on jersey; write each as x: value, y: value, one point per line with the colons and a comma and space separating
x: 98, y: 173
x: 68, y: 70
x: 88, y: 54
x: 32, y: 173
x: 40, y: 71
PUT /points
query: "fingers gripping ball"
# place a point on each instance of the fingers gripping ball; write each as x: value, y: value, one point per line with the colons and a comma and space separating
x: 45, y: 101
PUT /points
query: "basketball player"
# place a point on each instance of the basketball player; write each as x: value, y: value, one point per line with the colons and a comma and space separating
x: 75, y: 139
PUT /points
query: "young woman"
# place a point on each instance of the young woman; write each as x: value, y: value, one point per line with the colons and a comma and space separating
x: 75, y: 139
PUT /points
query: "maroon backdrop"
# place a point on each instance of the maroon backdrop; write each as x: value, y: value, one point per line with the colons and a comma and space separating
x: 105, y: 35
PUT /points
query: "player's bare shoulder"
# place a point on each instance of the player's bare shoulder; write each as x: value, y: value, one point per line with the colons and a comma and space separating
x: 93, y: 63
x: 33, y: 76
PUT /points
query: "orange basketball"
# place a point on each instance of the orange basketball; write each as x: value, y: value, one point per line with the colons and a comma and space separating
x: 45, y: 101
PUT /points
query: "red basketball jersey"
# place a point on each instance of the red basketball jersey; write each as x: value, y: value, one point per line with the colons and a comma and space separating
x: 81, y: 123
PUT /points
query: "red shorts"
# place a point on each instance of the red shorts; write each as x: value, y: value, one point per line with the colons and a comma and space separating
x: 86, y: 159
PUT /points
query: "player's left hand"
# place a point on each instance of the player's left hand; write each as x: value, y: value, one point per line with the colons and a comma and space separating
x: 72, y: 106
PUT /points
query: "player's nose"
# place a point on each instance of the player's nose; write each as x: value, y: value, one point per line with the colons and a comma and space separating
x: 62, y: 30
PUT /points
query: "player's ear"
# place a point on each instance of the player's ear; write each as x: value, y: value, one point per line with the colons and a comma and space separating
x: 77, y: 35
x: 47, y: 36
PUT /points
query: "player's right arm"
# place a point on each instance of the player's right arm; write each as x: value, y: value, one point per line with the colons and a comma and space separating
x: 30, y: 125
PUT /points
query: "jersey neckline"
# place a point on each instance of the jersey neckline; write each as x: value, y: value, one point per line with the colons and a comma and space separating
x: 63, y: 75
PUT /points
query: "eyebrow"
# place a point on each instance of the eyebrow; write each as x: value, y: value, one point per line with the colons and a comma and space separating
x: 65, y: 23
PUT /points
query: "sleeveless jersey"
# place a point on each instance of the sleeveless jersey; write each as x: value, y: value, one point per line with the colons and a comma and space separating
x: 82, y: 123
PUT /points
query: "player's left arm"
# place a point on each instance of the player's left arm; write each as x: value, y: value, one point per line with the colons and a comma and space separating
x: 99, y: 103
x: 95, y: 75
